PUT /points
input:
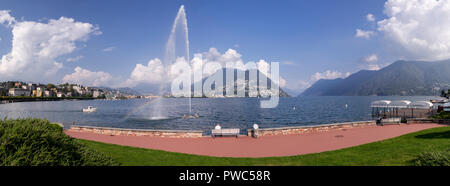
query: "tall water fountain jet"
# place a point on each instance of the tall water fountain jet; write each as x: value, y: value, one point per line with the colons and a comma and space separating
x: 171, y: 54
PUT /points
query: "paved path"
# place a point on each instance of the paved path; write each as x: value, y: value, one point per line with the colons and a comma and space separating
x: 282, y: 145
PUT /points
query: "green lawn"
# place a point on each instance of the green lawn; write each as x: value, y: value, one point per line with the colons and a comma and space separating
x: 396, y: 151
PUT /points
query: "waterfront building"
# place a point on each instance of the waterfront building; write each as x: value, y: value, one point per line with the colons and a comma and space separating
x: 96, y: 93
x: 18, y: 92
x: 32, y: 86
x: 79, y: 90
x: 48, y: 93
x: 18, y: 84
x: 39, y: 92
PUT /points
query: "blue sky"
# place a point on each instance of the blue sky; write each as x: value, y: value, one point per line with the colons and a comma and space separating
x: 306, y: 36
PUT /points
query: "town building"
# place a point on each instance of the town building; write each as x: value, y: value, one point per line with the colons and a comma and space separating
x: 48, y: 93
x: 32, y: 86
x: 79, y: 90
x: 18, y: 92
x: 39, y: 92
x: 97, y: 93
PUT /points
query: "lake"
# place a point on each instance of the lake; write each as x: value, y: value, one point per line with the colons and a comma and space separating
x: 231, y: 112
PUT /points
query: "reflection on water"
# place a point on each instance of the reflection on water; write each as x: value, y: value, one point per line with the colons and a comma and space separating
x: 232, y: 112
x: 159, y: 118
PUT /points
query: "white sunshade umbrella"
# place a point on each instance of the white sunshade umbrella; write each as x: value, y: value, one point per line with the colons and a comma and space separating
x: 380, y: 104
x: 421, y: 105
x: 400, y: 104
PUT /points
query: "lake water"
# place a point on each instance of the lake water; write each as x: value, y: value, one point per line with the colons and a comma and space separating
x: 232, y: 112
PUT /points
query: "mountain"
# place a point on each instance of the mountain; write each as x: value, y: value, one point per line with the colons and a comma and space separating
x: 245, y: 83
x: 125, y: 90
x: 150, y: 89
x: 165, y: 89
x: 129, y: 91
x: 407, y: 78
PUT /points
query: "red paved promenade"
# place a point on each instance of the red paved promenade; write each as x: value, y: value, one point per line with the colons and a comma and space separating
x: 267, y: 146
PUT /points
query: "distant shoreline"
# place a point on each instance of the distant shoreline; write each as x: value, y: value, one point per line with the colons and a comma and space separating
x: 4, y: 100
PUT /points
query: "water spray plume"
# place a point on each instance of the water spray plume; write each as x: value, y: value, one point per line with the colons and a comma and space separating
x: 171, y: 55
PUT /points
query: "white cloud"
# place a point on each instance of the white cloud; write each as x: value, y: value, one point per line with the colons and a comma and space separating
x: 73, y: 59
x: 5, y: 17
x: 109, y: 49
x: 36, y: 45
x: 328, y: 75
x: 364, y: 34
x: 263, y: 67
x: 373, y: 67
x: 289, y: 63
x: 371, y: 58
x: 420, y: 28
x: 304, y: 84
x: 154, y: 72
x: 89, y: 78
x: 230, y: 56
x: 283, y: 82
x: 370, y: 63
x: 370, y: 17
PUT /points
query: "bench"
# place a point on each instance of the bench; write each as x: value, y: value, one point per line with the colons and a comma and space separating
x: 225, y: 132
x: 391, y: 121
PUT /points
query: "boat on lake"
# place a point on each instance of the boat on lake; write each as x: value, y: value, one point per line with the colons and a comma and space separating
x: 90, y: 109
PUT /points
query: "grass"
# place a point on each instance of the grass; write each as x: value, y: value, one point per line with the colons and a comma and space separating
x: 399, y: 151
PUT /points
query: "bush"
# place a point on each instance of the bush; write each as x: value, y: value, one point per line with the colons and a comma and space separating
x: 37, y: 142
x: 433, y: 159
x: 442, y: 115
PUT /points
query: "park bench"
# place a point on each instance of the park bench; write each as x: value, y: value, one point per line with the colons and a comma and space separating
x: 391, y: 121
x: 225, y: 132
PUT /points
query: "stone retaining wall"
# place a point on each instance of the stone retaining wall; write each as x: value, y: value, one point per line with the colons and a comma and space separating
x: 199, y: 133
x: 420, y: 120
x: 426, y: 120
x: 309, y: 129
x: 138, y: 132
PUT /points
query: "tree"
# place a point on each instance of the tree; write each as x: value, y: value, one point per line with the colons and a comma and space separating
x: 50, y: 86
x: 3, y: 92
x: 10, y: 84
